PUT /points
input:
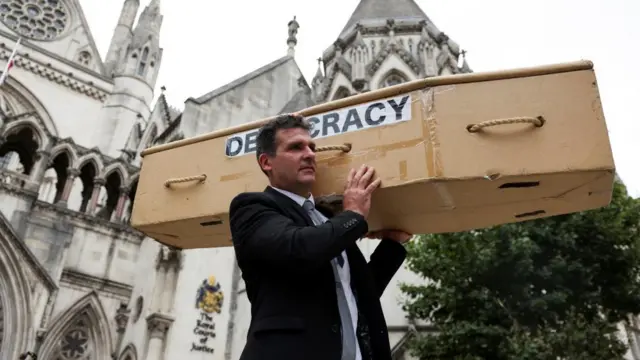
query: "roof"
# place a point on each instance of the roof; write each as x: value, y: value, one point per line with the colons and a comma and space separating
x: 384, y: 9
x: 221, y: 90
x: 300, y: 101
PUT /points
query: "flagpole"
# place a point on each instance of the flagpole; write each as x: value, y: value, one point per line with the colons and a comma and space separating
x: 10, y: 61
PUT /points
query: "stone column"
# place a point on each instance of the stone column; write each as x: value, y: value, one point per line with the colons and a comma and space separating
x: 158, y: 325
x: 71, y: 177
x: 167, y: 294
x: 40, y: 165
x: 97, y: 186
x: 159, y: 288
x: 46, y: 316
x: 122, y: 199
x: 122, y: 318
x: 173, y: 266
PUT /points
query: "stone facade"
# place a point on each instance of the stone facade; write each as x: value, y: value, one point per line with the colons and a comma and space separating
x: 76, y: 281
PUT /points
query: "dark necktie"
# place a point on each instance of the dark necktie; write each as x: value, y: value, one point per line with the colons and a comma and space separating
x: 317, y: 220
x: 349, y: 341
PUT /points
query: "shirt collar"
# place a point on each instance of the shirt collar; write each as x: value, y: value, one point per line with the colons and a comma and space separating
x: 295, y: 197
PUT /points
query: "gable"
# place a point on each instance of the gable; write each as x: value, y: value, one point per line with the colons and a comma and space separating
x: 58, y: 27
x: 259, y: 94
x: 32, y: 269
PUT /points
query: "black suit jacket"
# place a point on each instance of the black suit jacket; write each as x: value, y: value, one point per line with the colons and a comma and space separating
x: 285, y: 262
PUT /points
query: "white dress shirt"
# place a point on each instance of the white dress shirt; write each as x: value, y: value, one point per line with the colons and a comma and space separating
x: 343, y: 271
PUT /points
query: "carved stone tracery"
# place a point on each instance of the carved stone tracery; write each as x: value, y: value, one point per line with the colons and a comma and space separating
x: 76, y: 342
x: 35, y: 19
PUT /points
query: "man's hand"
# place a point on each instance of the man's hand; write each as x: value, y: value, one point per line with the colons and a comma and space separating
x: 358, y: 189
x: 398, y: 236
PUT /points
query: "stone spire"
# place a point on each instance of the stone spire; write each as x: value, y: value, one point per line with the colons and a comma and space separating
x: 150, y: 21
x: 316, y: 83
x: 145, y: 46
x: 292, y: 40
x: 121, y: 35
x: 380, y: 10
x: 137, y: 70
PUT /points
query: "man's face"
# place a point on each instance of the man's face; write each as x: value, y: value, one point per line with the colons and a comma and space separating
x: 293, y: 167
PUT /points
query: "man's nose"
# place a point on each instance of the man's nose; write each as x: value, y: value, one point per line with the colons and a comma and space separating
x: 309, y: 153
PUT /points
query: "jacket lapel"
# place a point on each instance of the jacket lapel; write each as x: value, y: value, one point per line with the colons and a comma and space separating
x: 291, y: 207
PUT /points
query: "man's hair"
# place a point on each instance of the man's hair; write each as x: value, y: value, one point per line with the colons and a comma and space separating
x: 266, y: 140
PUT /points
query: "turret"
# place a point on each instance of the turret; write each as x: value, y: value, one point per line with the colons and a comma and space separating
x: 134, y: 79
x: 121, y: 35
x: 145, y: 46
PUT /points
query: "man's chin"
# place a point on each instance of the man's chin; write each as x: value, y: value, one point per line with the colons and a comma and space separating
x: 307, y: 179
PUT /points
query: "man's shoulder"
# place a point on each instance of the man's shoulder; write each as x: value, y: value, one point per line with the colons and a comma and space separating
x: 252, y: 198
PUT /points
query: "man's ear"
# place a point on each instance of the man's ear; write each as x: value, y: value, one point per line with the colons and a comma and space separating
x: 265, y: 162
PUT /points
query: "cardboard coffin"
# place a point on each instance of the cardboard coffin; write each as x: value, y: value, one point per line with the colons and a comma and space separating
x: 454, y: 153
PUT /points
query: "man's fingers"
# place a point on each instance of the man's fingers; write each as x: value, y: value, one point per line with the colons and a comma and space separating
x: 366, y: 178
x: 358, y: 175
x: 352, y: 174
x: 374, y: 185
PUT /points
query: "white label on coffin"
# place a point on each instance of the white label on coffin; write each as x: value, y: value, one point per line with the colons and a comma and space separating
x: 377, y: 113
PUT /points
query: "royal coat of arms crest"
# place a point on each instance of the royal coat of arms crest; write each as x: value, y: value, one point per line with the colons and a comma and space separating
x: 210, y: 297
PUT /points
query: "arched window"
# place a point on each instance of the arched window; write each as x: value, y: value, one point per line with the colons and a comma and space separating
x: 143, y: 61
x: 392, y: 79
x: 341, y: 93
x: 75, y: 343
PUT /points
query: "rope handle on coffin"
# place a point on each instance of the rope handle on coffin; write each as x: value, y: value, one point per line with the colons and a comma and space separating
x: 538, y: 121
x: 201, y: 178
x: 344, y: 148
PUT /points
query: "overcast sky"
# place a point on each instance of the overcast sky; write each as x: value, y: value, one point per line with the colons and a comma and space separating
x: 210, y: 43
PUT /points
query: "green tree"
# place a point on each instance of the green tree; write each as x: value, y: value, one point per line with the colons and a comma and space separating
x: 546, y: 289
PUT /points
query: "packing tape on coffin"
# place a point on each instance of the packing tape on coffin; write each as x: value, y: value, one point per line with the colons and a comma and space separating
x: 424, y: 101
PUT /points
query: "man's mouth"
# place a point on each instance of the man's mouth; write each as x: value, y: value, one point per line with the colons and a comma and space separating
x: 308, y: 168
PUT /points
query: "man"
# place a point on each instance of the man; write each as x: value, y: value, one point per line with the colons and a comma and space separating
x: 313, y: 295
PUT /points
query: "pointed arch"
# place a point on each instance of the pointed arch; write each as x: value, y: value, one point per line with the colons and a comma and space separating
x: 118, y: 168
x: 132, y: 180
x: 31, y: 99
x: 67, y: 149
x: 15, y: 298
x: 92, y: 158
x: 392, y: 77
x: 144, y: 58
x: 340, y: 80
x: 24, y: 142
x: 392, y: 64
x: 41, y: 136
x: 341, y: 93
x: 129, y: 353
x: 85, y: 323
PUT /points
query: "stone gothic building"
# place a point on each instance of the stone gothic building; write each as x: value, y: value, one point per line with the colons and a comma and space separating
x: 76, y: 281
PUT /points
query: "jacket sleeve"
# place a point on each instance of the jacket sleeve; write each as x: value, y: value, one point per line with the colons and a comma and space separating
x: 261, y: 233
x: 384, y: 262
